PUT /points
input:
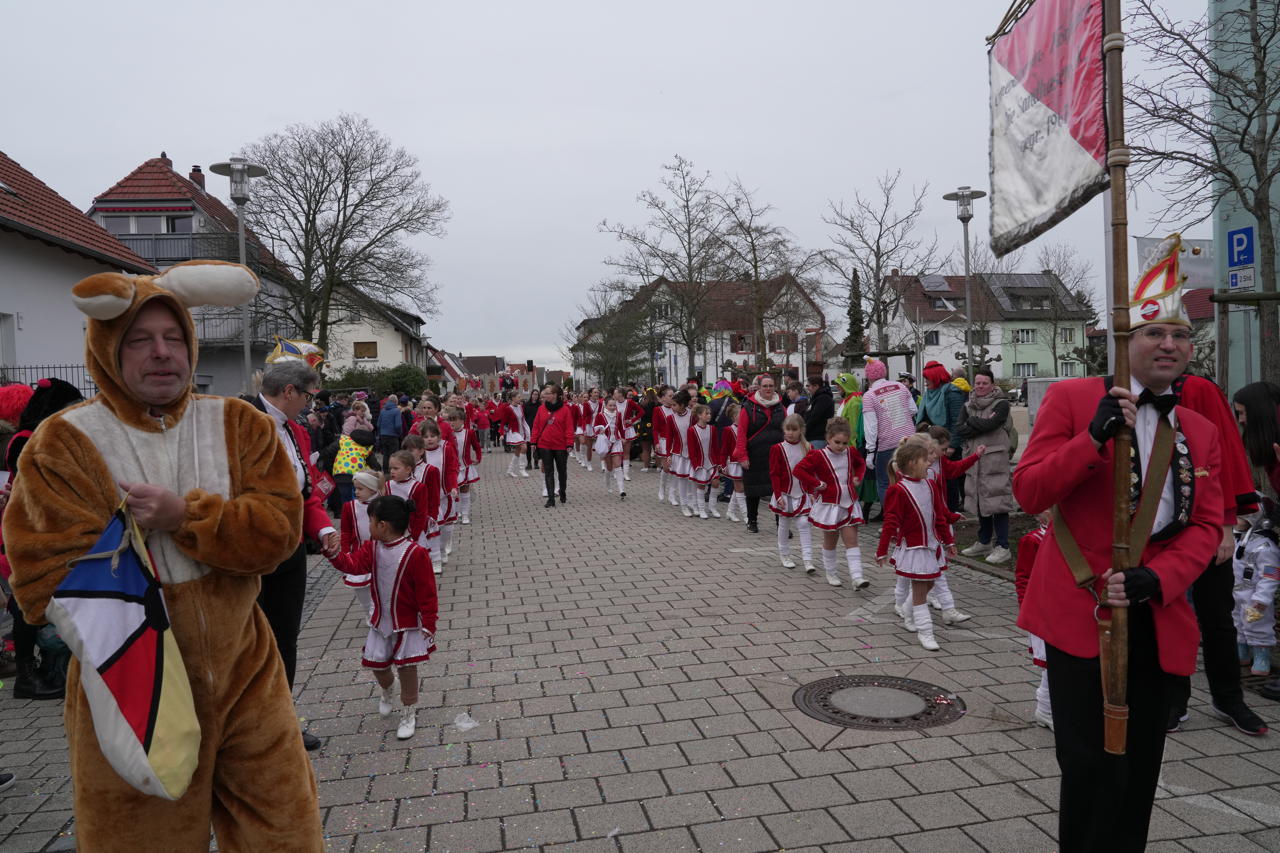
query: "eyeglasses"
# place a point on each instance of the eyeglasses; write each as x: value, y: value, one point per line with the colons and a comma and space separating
x: 308, y: 396
x: 1156, y: 336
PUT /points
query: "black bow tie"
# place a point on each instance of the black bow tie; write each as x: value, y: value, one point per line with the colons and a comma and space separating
x: 1163, y: 403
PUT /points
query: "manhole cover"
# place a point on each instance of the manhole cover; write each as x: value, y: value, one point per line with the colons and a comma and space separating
x: 878, y: 702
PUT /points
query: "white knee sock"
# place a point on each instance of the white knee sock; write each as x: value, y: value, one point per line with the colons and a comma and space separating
x: 941, y: 589
x: 433, y: 546
x: 901, y: 592
x: 626, y: 466
x: 446, y: 536
x: 829, y: 564
x: 1042, y: 694
x: 690, y: 494
x: 924, y: 621
x: 662, y: 484
x: 464, y: 504
x: 853, y: 556
x: 784, y: 543
x: 741, y: 498
x: 617, y: 476
x: 805, y: 532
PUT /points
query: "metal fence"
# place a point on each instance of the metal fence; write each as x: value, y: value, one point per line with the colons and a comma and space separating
x: 30, y: 374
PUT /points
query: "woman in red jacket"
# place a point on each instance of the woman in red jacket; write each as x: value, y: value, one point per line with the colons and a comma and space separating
x: 553, y: 433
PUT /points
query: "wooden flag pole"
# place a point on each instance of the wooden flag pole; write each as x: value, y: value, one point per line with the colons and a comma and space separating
x: 1113, y: 623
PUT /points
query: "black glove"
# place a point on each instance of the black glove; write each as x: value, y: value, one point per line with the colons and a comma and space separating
x: 1107, y: 420
x: 1141, y: 584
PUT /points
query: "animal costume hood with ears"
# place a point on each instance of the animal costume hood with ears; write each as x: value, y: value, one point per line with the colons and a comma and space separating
x: 112, y: 302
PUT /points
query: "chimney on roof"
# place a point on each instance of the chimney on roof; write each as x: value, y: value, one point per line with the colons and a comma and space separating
x: 197, y: 176
x: 894, y: 271
x: 164, y: 158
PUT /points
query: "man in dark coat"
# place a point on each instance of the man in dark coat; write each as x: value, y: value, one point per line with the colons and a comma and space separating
x: 822, y: 408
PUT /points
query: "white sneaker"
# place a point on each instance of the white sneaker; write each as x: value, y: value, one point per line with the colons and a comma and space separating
x: 511, y: 473
x: 954, y: 617
x: 408, y: 724
x: 901, y: 610
x: 686, y: 512
x: 626, y: 477
x: 859, y: 582
x: 544, y: 491
x: 731, y: 513
x: 927, y: 641
x: 998, y: 555
x: 711, y: 508
x: 466, y: 519
x: 834, y: 581
x: 448, y: 549
x: 787, y: 562
x: 809, y: 568
x: 523, y: 473
x: 909, y: 622
x: 437, y: 568
x: 977, y: 549
x: 661, y: 497
x: 702, y: 513
x: 386, y: 703
x: 589, y: 464
x: 445, y: 558
x: 1045, y: 719
x: 932, y: 599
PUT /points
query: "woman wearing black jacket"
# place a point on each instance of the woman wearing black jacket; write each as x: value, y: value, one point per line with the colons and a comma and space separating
x: 553, y: 433
x: 822, y: 408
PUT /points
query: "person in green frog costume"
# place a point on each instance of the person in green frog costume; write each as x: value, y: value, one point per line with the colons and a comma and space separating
x: 851, y: 410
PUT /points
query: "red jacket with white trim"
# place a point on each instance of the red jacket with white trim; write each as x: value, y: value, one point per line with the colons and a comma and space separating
x: 425, y: 495
x: 416, y: 602
x: 695, y: 446
x: 781, y: 476
x: 814, y: 469
x: 904, y: 522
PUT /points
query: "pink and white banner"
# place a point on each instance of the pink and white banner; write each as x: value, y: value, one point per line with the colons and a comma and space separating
x: 1048, y: 120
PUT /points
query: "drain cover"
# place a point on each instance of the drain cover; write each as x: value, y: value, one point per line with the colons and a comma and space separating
x: 878, y: 702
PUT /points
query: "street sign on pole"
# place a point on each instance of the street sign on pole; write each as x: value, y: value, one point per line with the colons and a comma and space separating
x: 1240, y: 247
x: 1240, y: 280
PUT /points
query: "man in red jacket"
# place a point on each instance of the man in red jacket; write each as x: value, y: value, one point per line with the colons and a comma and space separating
x: 287, y: 389
x: 1106, y: 800
x: 553, y: 433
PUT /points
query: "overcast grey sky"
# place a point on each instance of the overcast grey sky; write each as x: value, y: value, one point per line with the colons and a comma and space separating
x: 535, y: 120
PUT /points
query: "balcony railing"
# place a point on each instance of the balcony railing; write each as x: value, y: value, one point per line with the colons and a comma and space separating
x: 165, y: 249
x: 225, y: 326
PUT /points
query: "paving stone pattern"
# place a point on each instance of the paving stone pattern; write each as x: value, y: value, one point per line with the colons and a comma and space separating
x: 632, y: 671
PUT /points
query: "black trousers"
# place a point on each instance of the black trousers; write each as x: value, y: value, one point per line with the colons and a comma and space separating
x: 283, y: 592
x: 24, y: 633
x: 555, y: 462
x: 387, y: 444
x: 753, y: 508
x: 1213, y: 602
x: 1106, y: 800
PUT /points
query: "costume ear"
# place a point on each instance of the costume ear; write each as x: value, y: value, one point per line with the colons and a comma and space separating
x: 104, y: 296
x: 209, y: 283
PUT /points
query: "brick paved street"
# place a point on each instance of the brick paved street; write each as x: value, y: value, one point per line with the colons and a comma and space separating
x: 632, y: 674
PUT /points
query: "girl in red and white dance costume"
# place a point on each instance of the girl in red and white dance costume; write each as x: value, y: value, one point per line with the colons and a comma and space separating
x: 609, y: 430
x: 402, y: 618
x: 579, y: 404
x: 590, y: 409
x: 833, y: 474
x: 790, y: 502
x: 515, y: 431
x: 355, y: 530
x: 678, y: 465
x: 661, y: 443
x: 917, y: 528
x: 443, y: 457
x: 1028, y: 547
x: 941, y: 469
x: 466, y: 440
x: 731, y: 470
x: 630, y: 412
x: 425, y: 496
x: 704, y: 451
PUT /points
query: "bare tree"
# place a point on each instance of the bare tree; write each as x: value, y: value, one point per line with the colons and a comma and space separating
x: 1205, y: 127
x: 335, y: 209
x: 609, y: 342
x: 1072, y: 305
x: 872, y: 235
x: 681, y: 243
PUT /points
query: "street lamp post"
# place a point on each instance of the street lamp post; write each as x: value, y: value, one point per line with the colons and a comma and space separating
x: 963, y: 197
x: 240, y: 171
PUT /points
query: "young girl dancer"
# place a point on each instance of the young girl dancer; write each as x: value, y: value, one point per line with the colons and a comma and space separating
x: 629, y: 411
x: 355, y: 530
x: 609, y: 441
x: 1028, y: 547
x: 402, y: 619
x: 425, y: 497
x: 515, y: 431
x: 678, y: 466
x: 916, y: 526
x: 579, y: 404
x: 703, y: 454
x: 941, y: 470
x: 443, y: 457
x: 737, y: 510
x: 790, y: 502
x: 832, y: 474
x: 591, y: 408
x: 466, y: 441
x: 661, y: 444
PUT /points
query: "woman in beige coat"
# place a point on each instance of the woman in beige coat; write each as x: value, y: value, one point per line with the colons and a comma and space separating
x: 988, y: 487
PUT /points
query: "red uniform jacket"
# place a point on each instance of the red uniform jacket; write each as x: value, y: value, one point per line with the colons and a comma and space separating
x: 630, y: 411
x: 553, y: 430
x: 953, y: 468
x: 1028, y: 547
x: 695, y: 446
x: 1204, y: 397
x: 506, y: 418
x: 601, y: 423
x: 471, y: 451
x: 1061, y: 467
x: 446, y: 431
x: 425, y: 495
x: 904, y: 522
x: 416, y: 603
x: 449, y: 476
x: 350, y: 541
x: 722, y: 447
x: 815, y: 468
x: 780, y: 474
x: 660, y: 415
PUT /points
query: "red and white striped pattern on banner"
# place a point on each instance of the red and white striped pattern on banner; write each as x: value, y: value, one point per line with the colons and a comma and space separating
x: 1048, y: 120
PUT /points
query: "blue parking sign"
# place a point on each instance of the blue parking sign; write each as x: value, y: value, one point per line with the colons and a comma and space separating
x: 1240, y: 247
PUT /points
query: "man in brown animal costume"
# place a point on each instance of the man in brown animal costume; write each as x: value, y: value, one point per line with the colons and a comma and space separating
x: 208, y: 480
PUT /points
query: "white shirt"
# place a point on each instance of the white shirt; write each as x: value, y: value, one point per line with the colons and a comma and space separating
x: 1144, y: 437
